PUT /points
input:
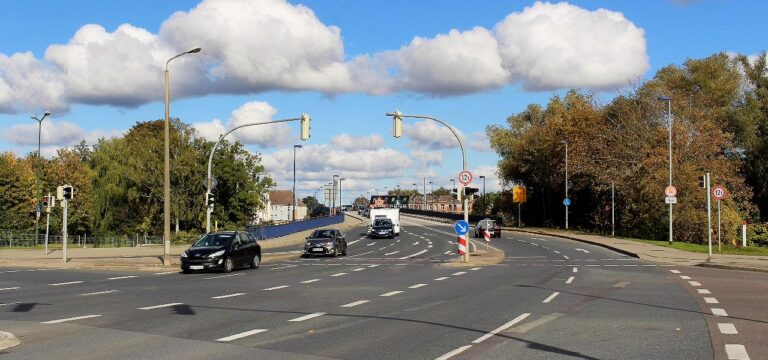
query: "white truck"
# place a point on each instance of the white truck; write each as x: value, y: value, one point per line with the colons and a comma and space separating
x: 391, y: 214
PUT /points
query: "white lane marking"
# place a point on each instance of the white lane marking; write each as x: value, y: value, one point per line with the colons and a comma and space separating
x: 392, y: 253
x: 166, y: 273
x: 123, y: 277
x: 359, y: 269
x: 575, y: 269
x: 611, y: 265
x: 10, y: 288
x: 276, y: 287
x: 66, y: 283
x: 352, y: 304
x: 339, y: 274
x: 373, y: 266
x: 570, y: 280
x: 417, y: 286
x: 719, y: 312
x: 736, y: 352
x: 429, y: 246
x: 459, y: 273
x: 284, y: 267
x: 99, y: 293
x: 441, y: 278
x: 350, y: 243
x: 370, y: 244
x: 454, y: 352
x: 694, y: 283
x: 382, y: 248
x: 159, y: 306
x: 501, y: 328
x: 223, y: 276
x: 727, y: 328
x: 685, y: 277
x: 582, y: 250
x: 307, y: 317
x: 391, y: 293
x: 241, y: 335
x: 70, y: 319
x: 416, y: 243
x: 447, y: 252
x: 12, y: 303
x: 475, y: 269
x: 227, y: 296
x: 310, y: 281
x: 567, y: 258
x: 711, y: 300
x: 654, y: 265
x: 674, y: 271
x: 412, y: 255
x: 703, y: 291
x: 550, y: 297
x: 361, y: 254
x: 592, y: 265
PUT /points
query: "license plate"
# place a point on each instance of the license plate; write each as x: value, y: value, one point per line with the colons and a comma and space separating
x: 317, y: 250
x: 196, y: 267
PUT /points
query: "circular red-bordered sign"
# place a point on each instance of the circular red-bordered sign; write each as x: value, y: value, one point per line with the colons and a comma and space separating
x: 719, y: 192
x: 465, y: 177
x: 670, y: 191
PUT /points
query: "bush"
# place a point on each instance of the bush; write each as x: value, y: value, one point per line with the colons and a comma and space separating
x: 759, y: 234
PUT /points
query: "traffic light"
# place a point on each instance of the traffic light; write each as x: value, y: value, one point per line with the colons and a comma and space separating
x: 65, y: 192
x: 457, y: 193
x: 45, y: 201
x: 469, y: 191
x: 209, y: 199
x: 702, y: 182
x: 397, y: 125
x: 305, y: 126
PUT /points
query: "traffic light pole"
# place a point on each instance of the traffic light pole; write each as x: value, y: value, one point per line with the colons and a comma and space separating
x: 47, y: 222
x: 65, y: 205
x: 209, y: 181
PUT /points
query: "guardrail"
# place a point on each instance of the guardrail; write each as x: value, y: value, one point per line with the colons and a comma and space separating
x: 275, y: 231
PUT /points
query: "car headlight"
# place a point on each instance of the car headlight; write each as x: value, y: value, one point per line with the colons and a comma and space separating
x: 216, y: 254
x: 184, y: 254
x: 328, y: 244
x: 308, y: 244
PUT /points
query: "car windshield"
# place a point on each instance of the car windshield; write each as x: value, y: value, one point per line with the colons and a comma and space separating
x: 215, y: 240
x: 382, y: 222
x: 322, y: 234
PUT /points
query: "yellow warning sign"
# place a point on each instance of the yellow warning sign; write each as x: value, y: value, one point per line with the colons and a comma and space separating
x: 518, y: 194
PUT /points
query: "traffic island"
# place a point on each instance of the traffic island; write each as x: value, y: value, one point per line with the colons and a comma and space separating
x: 478, y: 258
x: 7, y: 340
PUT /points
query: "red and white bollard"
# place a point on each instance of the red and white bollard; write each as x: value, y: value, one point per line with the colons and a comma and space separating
x: 487, y: 236
x: 462, y: 244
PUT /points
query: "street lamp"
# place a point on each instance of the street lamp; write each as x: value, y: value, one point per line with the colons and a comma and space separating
x: 669, y: 126
x: 167, y: 163
x: 37, y: 176
x: 567, y: 201
x: 341, y: 202
x: 432, y: 193
x: 453, y: 187
x: 294, y: 180
x: 484, y: 198
x: 333, y: 194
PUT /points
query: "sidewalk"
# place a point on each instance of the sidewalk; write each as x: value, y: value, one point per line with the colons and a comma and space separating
x: 148, y: 258
x: 657, y: 253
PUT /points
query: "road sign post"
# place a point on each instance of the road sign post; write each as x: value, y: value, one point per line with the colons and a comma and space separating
x: 719, y: 192
x: 462, y: 228
x: 709, y: 218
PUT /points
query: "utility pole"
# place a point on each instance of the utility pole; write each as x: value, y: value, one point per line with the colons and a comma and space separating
x: 484, y: 198
x: 669, y: 127
x: 709, y: 218
x: 294, y: 180
x: 38, y: 192
x: 613, y: 209
x: 51, y: 203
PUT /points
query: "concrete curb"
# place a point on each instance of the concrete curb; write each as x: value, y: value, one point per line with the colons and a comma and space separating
x: 7, y: 340
x: 609, y: 247
x: 732, y: 267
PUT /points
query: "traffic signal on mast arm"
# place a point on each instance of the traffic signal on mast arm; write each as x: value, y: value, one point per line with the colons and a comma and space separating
x: 702, y: 182
x: 397, y: 124
x: 305, y: 126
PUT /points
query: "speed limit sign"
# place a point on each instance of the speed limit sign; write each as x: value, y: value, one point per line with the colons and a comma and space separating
x: 719, y: 192
x: 465, y: 177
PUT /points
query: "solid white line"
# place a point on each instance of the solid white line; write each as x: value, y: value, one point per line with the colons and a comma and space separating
x: 310, y: 281
x: 392, y: 253
x: 70, y: 319
x: 475, y: 269
x: 227, y: 296
x: 727, y: 328
x: 391, y: 293
x: 736, y: 352
x: 10, y: 288
x: 122, y: 277
x: 99, y: 293
x: 412, y: 255
x: 459, y: 273
x: 417, y: 286
x: 685, y: 277
x: 352, y: 304
x: 166, y: 272
x: 703, y: 291
x: 575, y: 269
x: 441, y: 278
x: 241, y: 335
x: 454, y: 352
x: 570, y: 280
x: 711, y: 300
x: 276, y: 287
x: 66, y: 283
x: 359, y: 269
x: 719, y: 312
x: 307, y: 317
x: 548, y: 299
x: 284, y: 267
x: 674, y: 271
x: 223, y: 276
x: 694, y: 283
x: 159, y: 306
x: 339, y: 274
x: 501, y: 328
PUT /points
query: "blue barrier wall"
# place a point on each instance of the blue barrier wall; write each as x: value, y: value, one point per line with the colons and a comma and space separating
x: 275, y: 231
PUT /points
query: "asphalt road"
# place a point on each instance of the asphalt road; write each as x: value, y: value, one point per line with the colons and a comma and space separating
x: 388, y: 299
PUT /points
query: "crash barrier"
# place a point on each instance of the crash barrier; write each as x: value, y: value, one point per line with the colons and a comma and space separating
x: 275, y: 231
x: 473, y: 219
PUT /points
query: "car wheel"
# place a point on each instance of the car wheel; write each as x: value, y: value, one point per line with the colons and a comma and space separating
x: 228, y: 264
x: 344, y: 253
x: 335, y: 251
x: 255, y: 262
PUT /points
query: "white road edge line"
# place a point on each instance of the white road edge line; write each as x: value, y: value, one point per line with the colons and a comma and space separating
x: 70, y: 319
x: 159, y: 306
x: 454, y: 352
x: 501, y: 328
x: 550, y: 297
x: 307, y: 317
x: 241, y: 335
x: 99, y: 293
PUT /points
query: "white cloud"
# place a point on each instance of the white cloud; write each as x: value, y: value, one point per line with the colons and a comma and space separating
x: 432, y: 135
x: 51, y: 133
x: 29, y: 85
x: 265, y: 136
x: 480, y: 142
x: 355, y: 142
x: 210, y: 130
x: 550, y: 46
x: 427, y: 158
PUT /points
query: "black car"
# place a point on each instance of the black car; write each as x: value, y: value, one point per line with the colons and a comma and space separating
x: 224, y: 250
x: 382, y: 228
x: 325, y: 242
x: 490, y: 225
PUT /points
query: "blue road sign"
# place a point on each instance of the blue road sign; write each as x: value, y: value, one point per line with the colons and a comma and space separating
x: 461, y: 227
x: 567, y: 202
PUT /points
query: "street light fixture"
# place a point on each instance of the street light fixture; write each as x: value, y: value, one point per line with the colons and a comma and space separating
x: 167, y: 163
x: 294, y: 180
x: 484, y: 198
x: 669, y: 126
x: 38, y: 195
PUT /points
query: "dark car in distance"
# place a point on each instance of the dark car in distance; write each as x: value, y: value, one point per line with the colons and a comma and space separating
x: 325, y: 242
x: 223, y: 250
x: 490, y: 225
x: 382, y: 228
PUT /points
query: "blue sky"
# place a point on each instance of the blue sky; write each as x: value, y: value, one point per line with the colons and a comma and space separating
x: 473, y: 96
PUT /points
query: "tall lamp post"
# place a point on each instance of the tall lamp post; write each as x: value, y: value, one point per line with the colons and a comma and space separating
x: 669, y: 126
x: 432, y: 193
x: 333, y: 194
x: 567, y: 202
x: 341, y: 202
x: 484, y: 198
x: 294, y: 180
x: 453, y: 187
x: 167, y: 163
x: 38, y: 192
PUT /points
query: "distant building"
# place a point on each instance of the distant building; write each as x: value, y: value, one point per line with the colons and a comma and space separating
x: 280, y: 206
x: 442, y: 203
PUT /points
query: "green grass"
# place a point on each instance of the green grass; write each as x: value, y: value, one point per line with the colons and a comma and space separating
x: 699, y: 248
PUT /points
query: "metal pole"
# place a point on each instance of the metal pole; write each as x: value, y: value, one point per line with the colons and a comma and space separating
x: 425, y: 194
x: 38, y: 191
x: 519, y: 215
x: 719, y: 245
x: 709, y: 220
x: 566, y: 184
x: 613, y: 209
x: 64, y: 231
x: 333, y: 195
x: 341, y: 202
x: 47, y: 222
x: 669, y: 121
x: 293, y: 212
x: 167, y: 175
x: 485, y: 199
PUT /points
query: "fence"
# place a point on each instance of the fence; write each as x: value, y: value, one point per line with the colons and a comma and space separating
x: 274, y: 231
x: 21, y: 240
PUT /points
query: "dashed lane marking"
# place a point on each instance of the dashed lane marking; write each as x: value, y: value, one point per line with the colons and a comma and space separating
x: 166, y: 273
x: 566, y: 257
x: 159, y: 306
x: 412, y: 255
x: 391, y: 293
x: 674, y: 271
x: 475, y: 269
x: 359, y: 269
x: 736, y: 352
x: 727, y: 329
x: 570, y: 280
x: 66, y: 283
x: 416, y: 243
x: 719, y: 312
x: 353, y: 304
x: 123, y: 277
x: 354, y: 242
x: 70, y: 319
x: 307, y: 317
x: 694, y: 283
x: 575, y: 269
x: 711, y: 300
x: 224, y: 276
x: 459, y: 273
x: 441, y: 278
x: 227, y: 296
x: 99, y: 293
x: 310, y: 281
x: 550, y: 297
x: 371, y: 244
x: 373, y: 266
x: 284, y: 267
x: 339, y: 274
x: 501, y: 328
x: 241, y: 335
x: 276, y: 287
x: 685, y: 277
x: 391, y: 253
x: 10, y: 288
x: 703, y: 291
x: 417, y: 286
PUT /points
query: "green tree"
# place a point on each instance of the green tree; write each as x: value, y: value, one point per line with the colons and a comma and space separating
x: 17, y: 191
x: 311, y: 203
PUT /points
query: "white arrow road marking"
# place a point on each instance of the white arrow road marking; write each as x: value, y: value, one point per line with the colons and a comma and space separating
x: 70, y: 319
x: 582, y: 250
x: 241, y: 335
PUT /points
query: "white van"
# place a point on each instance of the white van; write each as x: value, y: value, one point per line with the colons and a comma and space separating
x: 391, y: 214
